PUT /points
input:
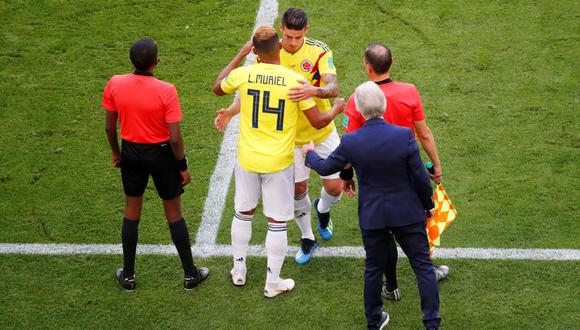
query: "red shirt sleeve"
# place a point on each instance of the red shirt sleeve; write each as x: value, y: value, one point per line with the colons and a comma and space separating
x: 418, y: 112
x: 172, y: 107
x: 352, y: 119
x: 108, y: 100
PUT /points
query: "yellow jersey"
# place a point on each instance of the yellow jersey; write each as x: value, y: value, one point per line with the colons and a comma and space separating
x: 312, y: 60
x: 267, y: 117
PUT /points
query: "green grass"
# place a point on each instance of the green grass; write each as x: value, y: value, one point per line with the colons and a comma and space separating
x: 499, y: 86
x: 499, y: 89
x: 80, y: 292
x: 506, y: 131
x: 56, y: 180
x: 501, y: 97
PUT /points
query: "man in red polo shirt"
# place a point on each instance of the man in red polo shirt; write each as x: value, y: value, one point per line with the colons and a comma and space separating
x: 404, y: 108
x: 149, y: 112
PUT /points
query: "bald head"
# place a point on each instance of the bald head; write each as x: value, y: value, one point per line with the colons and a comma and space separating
x: 266, y: 41
x: 378, y: 56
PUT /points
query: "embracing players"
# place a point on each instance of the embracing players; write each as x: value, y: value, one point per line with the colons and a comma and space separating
x: 313, y: 60
x: 268, y: 125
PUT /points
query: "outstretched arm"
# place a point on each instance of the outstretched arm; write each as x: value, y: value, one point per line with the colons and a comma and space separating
x: 225, y: 115
x: 234, y: 63
x: 330, y: 89
x: 334, y: 163
x: 320, y: 120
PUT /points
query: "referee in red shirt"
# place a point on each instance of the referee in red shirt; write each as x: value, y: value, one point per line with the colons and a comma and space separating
x: 149, y: 112
x: 404, y: 108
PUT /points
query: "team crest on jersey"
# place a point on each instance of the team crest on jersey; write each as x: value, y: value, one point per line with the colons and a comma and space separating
x: 306, y: 66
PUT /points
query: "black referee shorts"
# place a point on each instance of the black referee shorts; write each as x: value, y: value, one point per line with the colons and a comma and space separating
x: 139, y: 160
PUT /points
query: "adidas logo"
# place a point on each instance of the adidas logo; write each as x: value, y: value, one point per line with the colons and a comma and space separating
x: 240, y: 259
x: 301, y: 215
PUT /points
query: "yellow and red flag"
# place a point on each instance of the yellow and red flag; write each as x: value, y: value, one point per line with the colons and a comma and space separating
x: 443, y: 216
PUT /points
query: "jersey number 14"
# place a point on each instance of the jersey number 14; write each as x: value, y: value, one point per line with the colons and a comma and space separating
x: 279, y: 111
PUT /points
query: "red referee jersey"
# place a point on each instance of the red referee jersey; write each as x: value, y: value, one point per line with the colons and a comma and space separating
x: 403, y: 107
x: 145, y: 105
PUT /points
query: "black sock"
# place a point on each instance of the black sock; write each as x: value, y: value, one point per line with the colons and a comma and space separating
x: 180, y: 236
x: 324, y: 219
x: 391, y: 267
x: 129, y: 237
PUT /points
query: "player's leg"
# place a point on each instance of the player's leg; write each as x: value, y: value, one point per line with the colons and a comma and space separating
x: 130, y: 233
x: 302, y: 209
x: 168, y: 182
x: 390, y: 287
x: 135, y: 178
x: 277, y: 196
x: 247, y: 193
x: 330, y: 194
x: 331, y: 189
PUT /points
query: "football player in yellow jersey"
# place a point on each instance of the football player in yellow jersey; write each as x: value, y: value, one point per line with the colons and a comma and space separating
x: 266, y: 151
x: 314, y: 61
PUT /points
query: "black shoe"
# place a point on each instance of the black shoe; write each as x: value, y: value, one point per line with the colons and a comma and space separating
x: 191, y: 282
x: 306, y: 251
x: 307, y: 245
x: 382, y: 322
x: 128, y: 283
x: 325, y: 225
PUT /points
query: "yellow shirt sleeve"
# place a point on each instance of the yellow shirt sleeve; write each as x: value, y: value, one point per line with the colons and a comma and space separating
x: 326, y: 64
x: 232, y: 81
x: 306, y: 104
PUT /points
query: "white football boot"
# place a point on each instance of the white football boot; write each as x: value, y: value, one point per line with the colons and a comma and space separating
x: 239, y: 276
x: 284, y: 285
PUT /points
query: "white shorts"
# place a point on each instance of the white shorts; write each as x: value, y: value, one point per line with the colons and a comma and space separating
x: 277, y: 191
x: 323, y: 149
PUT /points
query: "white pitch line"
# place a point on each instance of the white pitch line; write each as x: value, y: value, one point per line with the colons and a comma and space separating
x: 218, y: 189
x: 205, y: 251
x: 214, y: 205
x: 220, y: 180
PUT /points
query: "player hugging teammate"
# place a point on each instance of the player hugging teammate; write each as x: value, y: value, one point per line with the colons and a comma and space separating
x: 313, y: 60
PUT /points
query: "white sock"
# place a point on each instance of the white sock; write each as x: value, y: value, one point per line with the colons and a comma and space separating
x: 276, y: 245
x: 326, y: 201
x: 302, y: 215
x: 241, y: 234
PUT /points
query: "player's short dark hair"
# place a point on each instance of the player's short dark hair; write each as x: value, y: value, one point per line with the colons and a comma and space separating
x: 143, y: 54
x: 378, y: 56
x: 266, y: 40
x: 295, y: 19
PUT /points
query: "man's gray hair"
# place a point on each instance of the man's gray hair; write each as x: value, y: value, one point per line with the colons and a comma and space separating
x: 370, y: 100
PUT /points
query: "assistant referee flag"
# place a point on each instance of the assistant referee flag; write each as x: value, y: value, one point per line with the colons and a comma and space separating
x: 443, y: 216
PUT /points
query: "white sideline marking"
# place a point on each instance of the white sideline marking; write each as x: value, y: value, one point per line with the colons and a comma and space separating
x: 214, y: 205
x: 205, y: 251
x: 220, y: 180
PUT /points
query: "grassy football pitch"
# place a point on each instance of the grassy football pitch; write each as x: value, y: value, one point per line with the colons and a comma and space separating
x: 500, y: 89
